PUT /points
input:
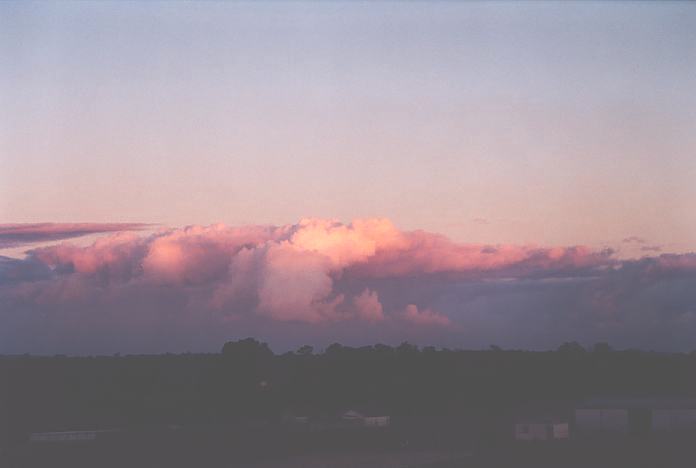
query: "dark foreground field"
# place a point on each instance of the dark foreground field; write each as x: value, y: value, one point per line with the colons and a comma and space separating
x: 208, y: 449
x: 247, y: 407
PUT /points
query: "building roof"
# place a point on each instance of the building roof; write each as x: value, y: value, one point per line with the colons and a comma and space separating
x: 352, y: 414
x: 637, y: 402
x: 67, y: 436
x: 540, y: 419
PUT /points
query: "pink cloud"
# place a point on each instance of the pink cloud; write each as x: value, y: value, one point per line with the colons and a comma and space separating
x: 294, y: 272
x: 116, y: 255
x: 423, y: 252
x: 368, y: 307
x: 319, y: 275
x: 296, y: 285
x: 424, y: 316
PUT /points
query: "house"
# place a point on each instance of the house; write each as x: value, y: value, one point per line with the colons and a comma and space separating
x: 376, y: 421
x: 358, y: 419
x: 69, y: 436
x: 352, y: 416
x: 538, y: 429
x: 291, y: 417
x: 635, y: 416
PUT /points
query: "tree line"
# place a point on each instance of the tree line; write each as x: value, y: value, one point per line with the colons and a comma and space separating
x: 247, y: 381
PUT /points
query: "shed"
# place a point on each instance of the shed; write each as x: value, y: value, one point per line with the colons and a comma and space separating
x: 541, y: 429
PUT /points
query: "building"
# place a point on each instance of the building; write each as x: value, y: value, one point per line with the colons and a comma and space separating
x: 358, y: 419
x: 69, y: 436
x: 295, y: 418
x: 635, y: 416
x: 352, y: 416
x: 376, y: 421
x: 541, y: 429
x: 601, y: 420
x: 673, y: 420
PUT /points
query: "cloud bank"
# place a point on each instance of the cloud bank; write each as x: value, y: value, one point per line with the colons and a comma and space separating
x: 322, y: 280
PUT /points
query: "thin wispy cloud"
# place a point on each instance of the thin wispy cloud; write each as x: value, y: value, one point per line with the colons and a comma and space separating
x: 634, y: 240
x: 651, y: 248
x: 17, y: 235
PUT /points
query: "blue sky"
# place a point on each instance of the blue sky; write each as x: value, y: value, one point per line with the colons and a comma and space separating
x: 554, y: 122
x: 532, y: 134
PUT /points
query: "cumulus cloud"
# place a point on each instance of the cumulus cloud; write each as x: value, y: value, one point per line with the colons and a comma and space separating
x: 424, y: 317
x: 368, y: 307
x: 17, y: 235
x: 203, y: 284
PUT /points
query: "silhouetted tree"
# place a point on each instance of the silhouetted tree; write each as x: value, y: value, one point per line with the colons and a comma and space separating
x: 305, y: 350
x: 602, y: 348
x: 572, y: 347
x: 247, y: 380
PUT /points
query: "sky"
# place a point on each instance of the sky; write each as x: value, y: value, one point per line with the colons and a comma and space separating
x: 520, y: 158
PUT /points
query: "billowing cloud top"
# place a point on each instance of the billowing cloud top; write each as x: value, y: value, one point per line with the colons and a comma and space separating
x: 324, y: 280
